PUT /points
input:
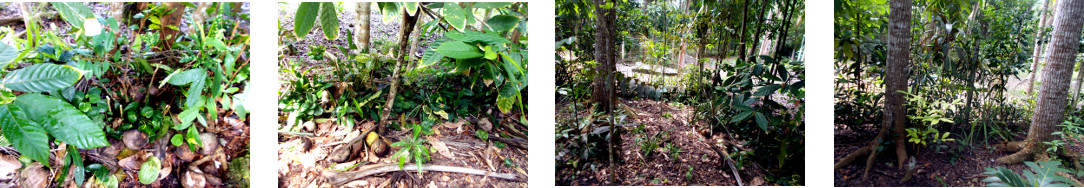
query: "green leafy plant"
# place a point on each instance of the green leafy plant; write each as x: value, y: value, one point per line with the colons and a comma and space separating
x: 674, y: 150
x: 1040, y: 175
x: 413, y: 148
x: 148, y: 172
x: 486, y: 55
x: 307, y: 14
x: 930, y: 112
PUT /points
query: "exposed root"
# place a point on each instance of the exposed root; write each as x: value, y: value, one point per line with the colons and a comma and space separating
x: 340, y: 179
x: 1026, y: 152
x: 872, y: 153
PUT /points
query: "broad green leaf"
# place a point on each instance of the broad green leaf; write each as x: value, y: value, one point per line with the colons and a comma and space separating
x: 459, y: 50
x: 474, y: 37
x: 502, y: 22
x: 305, y: 18
x: 7, y: 54
x: 29, y: 138
x: 766, y: 90
x: 177, y: 140
x: 62, y: 120
x: 492, y: 5
x: 742, y: 116
x: 507, y: 97
x: 761, y: 121
x: 215, y: 42
x: 186, y: 116
x: 455, y: 15
x: 73, y: 12
x: 148, y: 172
x: 42, y: 77
x: 329, y: 20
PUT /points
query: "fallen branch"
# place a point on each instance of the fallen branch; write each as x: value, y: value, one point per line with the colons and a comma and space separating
x: 340, y: 179
x: 519, y: 143
x: 19, y: 19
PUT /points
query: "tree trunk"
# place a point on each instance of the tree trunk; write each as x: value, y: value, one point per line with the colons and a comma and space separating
x: 760, y: 30
x: 1050, y: 108
x: 896, y: 76
x: 741, y: 37
x: 604, y: 55
x: 400, y: 59
x: 361, y: 32
x: 1038, y: 45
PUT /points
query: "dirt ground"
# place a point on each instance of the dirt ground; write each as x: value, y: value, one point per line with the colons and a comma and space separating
x: 695, y: 164
x: 299, y: 167
x: 933, y: 168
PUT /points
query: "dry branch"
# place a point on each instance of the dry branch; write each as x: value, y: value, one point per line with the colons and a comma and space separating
x: 339, y: 179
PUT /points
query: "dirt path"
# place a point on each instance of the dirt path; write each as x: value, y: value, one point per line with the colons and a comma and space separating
x: 693, y: 163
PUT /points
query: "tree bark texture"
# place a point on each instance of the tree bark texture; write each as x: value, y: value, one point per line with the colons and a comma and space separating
x: 896, y: 76
x: 1050, y: 108
x: 400, y: 59
x: 361, y: 34
x: 604, y: 55
x: 1038, y: 45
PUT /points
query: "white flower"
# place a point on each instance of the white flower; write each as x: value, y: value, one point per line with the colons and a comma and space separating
x: 91, y: 27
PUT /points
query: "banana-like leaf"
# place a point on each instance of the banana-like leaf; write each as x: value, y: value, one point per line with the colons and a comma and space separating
x: 42, y: 77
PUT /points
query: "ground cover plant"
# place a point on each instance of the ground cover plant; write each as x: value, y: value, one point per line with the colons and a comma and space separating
x: 958, y: 93
x: 403, y: 94
x: 123, y: 94
x: 680, y: 92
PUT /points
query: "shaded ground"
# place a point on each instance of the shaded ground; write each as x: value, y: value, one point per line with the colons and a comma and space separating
x: 956, y: 166
x: 299, y: 167
x: 695, y: 164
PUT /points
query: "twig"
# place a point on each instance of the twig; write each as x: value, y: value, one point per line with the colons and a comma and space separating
x: 296, y: 133
x: 339, y: 179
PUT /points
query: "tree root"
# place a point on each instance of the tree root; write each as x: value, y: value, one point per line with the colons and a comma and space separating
x: 340, y: 179
x: 1024, y: 151
x: 871, y: 150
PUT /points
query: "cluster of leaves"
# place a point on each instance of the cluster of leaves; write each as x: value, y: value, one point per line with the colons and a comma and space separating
x: 413, y: 148
x: 748, y: 110
x: 1042, y: 174
x: 485, y: 55
x: 50, y: 104
x: 929, y: 113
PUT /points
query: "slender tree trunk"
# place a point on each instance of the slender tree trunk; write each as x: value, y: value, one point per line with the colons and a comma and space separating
x: 1043, y: 14
x: 400, y: 59
x: 604, y: 54
x: 361, y: 34
x: 1079, y: 83
x: 896, y: 76
x: 741, y: 37
x: 603, y: 84
x: 1050, y: 108
x: 760, y: 30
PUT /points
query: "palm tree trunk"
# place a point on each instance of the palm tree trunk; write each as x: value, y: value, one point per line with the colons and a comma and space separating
x: 361, y: 34
x: 1038, y: 45
x: 1050, y: 108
